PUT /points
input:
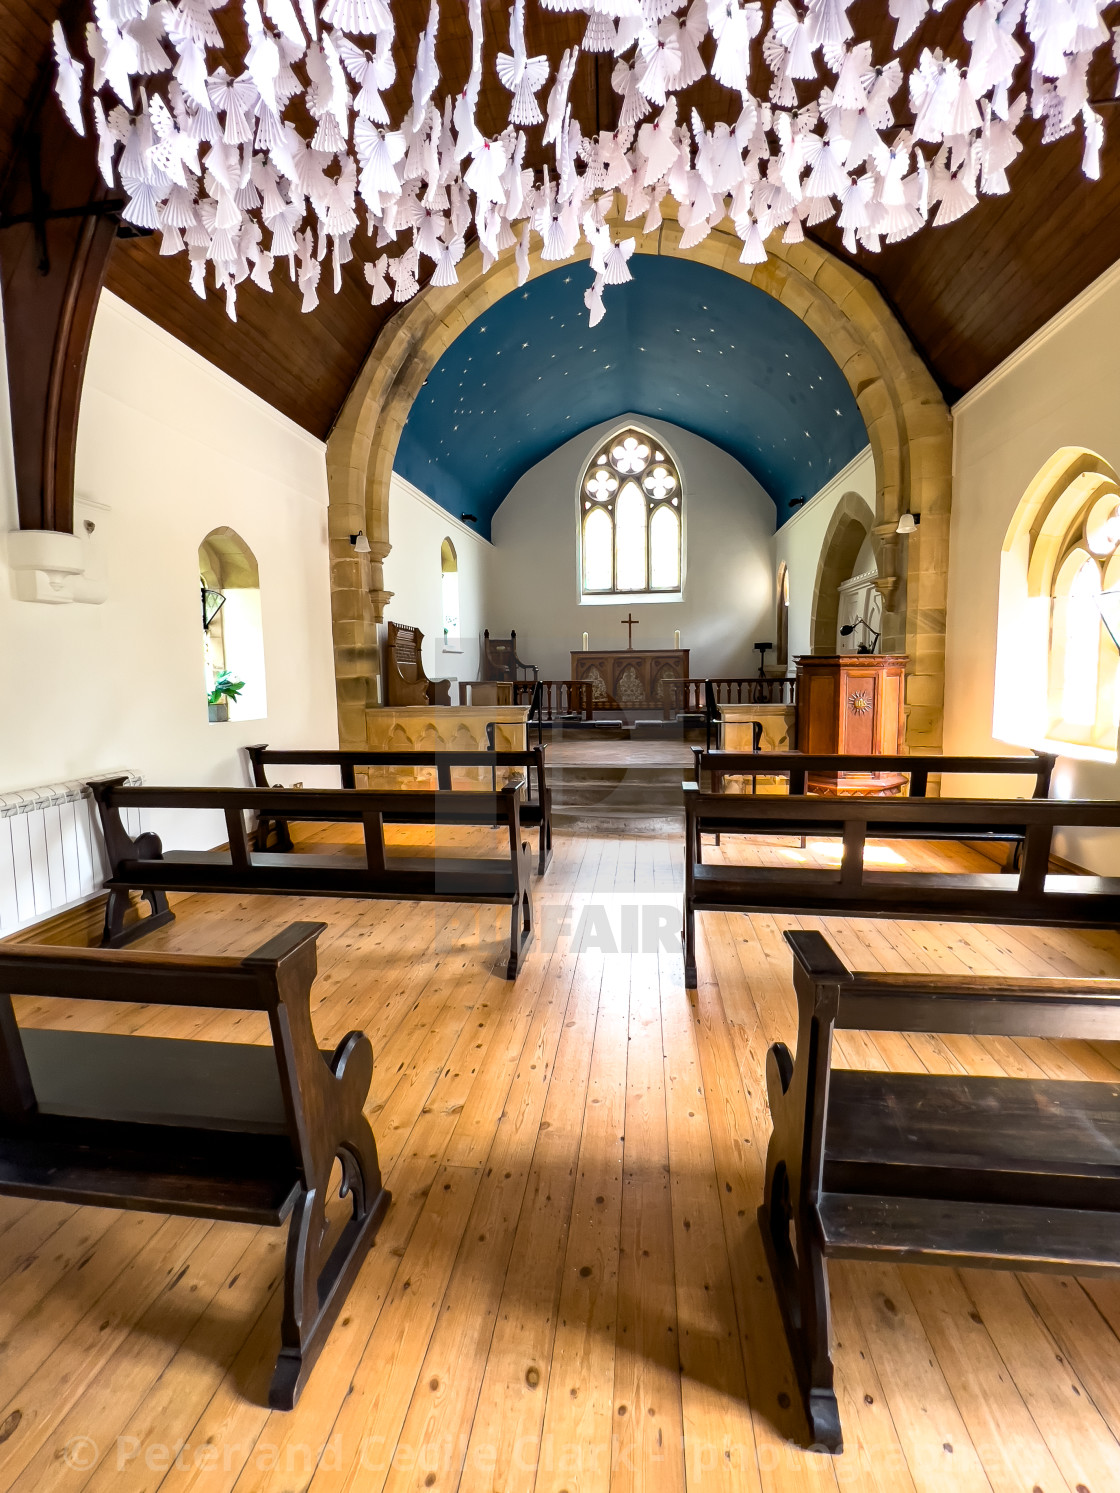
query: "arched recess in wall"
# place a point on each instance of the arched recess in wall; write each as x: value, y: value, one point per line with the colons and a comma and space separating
x: 851, y: 525
x: 906, y: 418
x: 233, y: 637
x: 1057, y: 682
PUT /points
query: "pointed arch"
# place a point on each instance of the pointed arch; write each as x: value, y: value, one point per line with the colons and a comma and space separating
x: 906, y: 418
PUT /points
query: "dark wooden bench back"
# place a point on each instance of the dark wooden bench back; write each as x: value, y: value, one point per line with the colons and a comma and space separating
x: 536, y: 808
x: 857, y: 820
x: 261, y: 757
x: 231, y: 1131
x: 325, y: 805
x: 1028, y: 894
x: 796, y: 767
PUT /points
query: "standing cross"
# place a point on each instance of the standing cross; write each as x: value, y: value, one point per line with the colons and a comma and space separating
x: 630, y: 623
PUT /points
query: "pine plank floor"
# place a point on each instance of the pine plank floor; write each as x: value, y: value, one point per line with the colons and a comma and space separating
x: 569, y: 1291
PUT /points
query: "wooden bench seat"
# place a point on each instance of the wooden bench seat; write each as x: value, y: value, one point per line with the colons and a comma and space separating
x: 230, y: 1131
x: 535, y: 808
x: 1032, y: 894
x: 369, y: 870
x: 950, y: 1169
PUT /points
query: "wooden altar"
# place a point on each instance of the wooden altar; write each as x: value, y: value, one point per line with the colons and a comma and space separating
x: 631, y: 678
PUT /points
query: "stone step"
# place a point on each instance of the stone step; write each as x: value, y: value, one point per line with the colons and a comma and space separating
x: 601, y: 791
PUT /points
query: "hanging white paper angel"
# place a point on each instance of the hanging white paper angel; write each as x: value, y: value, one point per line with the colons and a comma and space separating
x: 737, y: 28
x: 660, y: 65
x: 909, y: 14
x: 593, y: 300
x: 372, y: 72
x: 521, y: 74
x: 558, y: 98
x: 68, y: 83
x: 361, y: 17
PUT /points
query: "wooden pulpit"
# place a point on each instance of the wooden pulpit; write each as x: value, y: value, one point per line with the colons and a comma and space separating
x: 852, y: 702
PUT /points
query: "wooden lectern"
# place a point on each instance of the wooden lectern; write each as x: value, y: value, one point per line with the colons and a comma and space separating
x: 851, y: 702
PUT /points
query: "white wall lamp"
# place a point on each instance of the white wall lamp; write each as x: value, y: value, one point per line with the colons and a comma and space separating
x: 908, y: 522
x: 360, y: 543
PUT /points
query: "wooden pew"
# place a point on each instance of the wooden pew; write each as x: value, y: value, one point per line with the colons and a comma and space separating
x: 802, y: 770
x: 229, y: 1131
x: 536, y: 807
x: 1029, y: 895
x: 366, y: 870
x: 1017, y: 1173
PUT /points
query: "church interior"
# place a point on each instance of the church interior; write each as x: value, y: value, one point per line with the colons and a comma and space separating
x: 559, y: 782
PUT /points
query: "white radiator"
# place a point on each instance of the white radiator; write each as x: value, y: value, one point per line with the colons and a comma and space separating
x: 51, y: 856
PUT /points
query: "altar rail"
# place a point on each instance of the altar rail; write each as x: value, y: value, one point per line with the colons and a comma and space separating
x: 735, y: 692
x: 560, y: 699
x: 568, y: 699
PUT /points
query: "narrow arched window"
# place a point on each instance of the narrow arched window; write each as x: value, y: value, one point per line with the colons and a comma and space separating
x: 449, y: 583
x: 1057, y: 664
x: 233, y: 640
x: 630, y: 518
x: 781, y: 631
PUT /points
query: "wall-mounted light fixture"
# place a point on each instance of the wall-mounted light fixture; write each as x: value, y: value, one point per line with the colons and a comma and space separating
x: 360, y: 543
x: 908, y: 522
x: 864, y: 647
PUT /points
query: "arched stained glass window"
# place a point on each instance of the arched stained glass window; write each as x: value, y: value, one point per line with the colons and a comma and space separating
x: 630, y: 512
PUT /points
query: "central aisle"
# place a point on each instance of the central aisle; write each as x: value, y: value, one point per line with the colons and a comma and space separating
x: 569, y: 1289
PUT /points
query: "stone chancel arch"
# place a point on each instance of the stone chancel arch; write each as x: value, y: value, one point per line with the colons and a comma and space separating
x: 906, y: 419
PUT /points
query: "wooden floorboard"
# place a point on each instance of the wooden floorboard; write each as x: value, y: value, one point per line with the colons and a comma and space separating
x: 569, y: 1293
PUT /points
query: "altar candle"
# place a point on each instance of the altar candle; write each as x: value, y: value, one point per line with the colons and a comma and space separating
x: 676, y: 640
x: 585, y: 642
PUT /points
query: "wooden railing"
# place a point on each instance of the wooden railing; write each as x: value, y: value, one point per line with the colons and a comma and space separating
x: 560, y: 699
x: 571, y: 699
x: 689, y: 694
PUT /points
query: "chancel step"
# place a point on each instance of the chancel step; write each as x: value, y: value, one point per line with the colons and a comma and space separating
x: 593, y: 790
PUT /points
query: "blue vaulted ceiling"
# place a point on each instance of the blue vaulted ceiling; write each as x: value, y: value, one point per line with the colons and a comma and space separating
x: 682, y: 341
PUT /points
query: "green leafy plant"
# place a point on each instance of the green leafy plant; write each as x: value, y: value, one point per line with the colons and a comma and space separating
x: 226, y: 687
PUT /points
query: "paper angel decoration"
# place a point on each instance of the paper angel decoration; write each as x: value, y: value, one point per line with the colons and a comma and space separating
x: 521, y: 74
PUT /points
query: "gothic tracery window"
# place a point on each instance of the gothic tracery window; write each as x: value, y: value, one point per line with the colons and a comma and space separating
x: 630, y: 518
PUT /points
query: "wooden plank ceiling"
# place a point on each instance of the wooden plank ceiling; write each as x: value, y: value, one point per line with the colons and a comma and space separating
x: 968, y: 294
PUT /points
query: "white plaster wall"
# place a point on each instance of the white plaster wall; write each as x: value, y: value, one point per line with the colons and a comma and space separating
x: 1059, y: 389
x: 800, y: 539
x: 413, y: 572
x: 728, y: 599
x: 168, y: 449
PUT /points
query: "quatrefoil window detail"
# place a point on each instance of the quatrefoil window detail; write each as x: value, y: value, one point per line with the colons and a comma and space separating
x: 660, y: 483
x: 601, y: 486
x: 630, y: 455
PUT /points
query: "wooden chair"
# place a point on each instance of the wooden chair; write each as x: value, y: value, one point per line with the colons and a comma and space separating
x: 405, y: 680
x: 500, y: 661
x: 232, y: 1131
x: 935, y: 1169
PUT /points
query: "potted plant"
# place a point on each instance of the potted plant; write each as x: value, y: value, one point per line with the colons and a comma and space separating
x: 226, y: 687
